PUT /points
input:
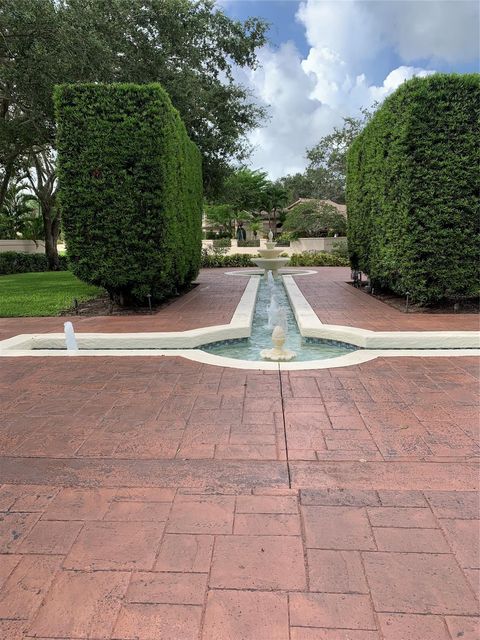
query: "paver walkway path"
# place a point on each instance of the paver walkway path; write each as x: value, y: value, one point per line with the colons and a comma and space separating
x: 158, y: 498
x: 337, y: 302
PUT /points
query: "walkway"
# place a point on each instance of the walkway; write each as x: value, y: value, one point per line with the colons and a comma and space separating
x: 163, y: 499
x: 337, y: 302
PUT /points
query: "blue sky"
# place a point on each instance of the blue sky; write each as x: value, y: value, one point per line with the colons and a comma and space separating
x: 328, y: 58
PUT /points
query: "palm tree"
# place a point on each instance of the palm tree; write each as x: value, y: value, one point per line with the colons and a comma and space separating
x: 275, y: 198
x: 255, y: 228
x: 19, y: 214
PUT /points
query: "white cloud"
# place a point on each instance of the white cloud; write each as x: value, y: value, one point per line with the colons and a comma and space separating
x: 416, y: 29
x: 308, y: 96
x: 431, y: 29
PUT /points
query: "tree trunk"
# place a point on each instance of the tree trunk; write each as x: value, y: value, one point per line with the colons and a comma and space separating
x: 8, y: 173
x: 51, y: 227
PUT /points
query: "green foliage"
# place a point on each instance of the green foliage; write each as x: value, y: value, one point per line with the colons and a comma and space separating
x: 340, y: 248
x: 221, y: 217
x: 313, y: 220
x: 305, y: 259
x: 214, y: 260
x: 284, y: 240
x: 223, y: 243
x: 130, y: 190
x: 42, y: 294
x: 19, y: 215
x: 16, y: 262
x: 191, y: 48
x: 255, y: 227
x: 245, y: 190
x: 248, y: 243
x: 298, y: 185
x: 412, y: 190
x: 328, y: 159
x: 324, y: 177
x: 317, y: 259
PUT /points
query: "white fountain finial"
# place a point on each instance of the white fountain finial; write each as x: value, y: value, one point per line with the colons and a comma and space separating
x: 278, y: 352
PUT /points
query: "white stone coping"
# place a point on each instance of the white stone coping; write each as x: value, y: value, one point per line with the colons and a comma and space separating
x: 197, y: 355
x: 374, y: 344
x: 310, y: 326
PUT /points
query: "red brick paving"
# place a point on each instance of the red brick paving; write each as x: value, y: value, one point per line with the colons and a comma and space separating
x: 337, y: 302
x: 156, y: 498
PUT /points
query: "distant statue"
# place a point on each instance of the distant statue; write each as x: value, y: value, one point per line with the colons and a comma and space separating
x: 270, y: 236
x: 241, y: 233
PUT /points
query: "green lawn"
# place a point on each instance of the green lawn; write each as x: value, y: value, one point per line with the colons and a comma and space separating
x: 41, y: 294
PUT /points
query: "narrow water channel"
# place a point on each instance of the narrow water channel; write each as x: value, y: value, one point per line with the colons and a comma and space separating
x: 249, y: 349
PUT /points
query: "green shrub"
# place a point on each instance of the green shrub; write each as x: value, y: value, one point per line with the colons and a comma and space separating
x: 248, y: 243
x: 412, y: 190
x: 317, y: 259
x: 222, y: 243
x: 340, y: 248
x: 213, y: 260
x: 284, y: 239
x: 12, y: 262
x: 130, y: 188
x: 305, y: 259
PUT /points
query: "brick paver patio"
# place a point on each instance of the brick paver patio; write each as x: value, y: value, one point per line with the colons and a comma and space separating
x: 159, y: 498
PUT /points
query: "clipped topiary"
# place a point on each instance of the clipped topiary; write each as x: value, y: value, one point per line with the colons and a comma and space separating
x: 413, y: 190
x: 130, y: 189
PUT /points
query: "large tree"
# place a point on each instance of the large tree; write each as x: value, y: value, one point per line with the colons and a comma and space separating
x: 189, y: 47
x: 245, y: 190
x: 325, y: 176
x: 327, y: 167
x: 274, y: 199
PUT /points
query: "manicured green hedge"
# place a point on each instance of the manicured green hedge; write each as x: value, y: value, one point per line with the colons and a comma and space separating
x: 413, y: 190
x: 248, y: 243
x: 12, y: 262
x: 317, y: 259
x: 130, y: 189
x: 222, y: 243
x: 305, y: 259
x: 213, y: 260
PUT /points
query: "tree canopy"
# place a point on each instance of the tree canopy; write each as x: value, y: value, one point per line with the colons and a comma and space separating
x: 189, y: 47
x: 325, y: 176
x: 314, y: 220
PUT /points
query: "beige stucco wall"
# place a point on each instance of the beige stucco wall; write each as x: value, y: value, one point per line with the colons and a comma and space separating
x: 24, y: 246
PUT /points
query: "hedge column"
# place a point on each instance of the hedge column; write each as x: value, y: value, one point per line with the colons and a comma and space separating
x: 413, y: 190
x: 130, y: 189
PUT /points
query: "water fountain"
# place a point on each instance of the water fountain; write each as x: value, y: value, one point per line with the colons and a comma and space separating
x: 273, y: 309
x: 277, y: 320
x: 278, y: 352
x: 70, y: 339
x: 269, y: 258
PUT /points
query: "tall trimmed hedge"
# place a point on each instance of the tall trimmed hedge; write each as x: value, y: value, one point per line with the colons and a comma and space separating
x: 413, y: 190
x: 130, y: 189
